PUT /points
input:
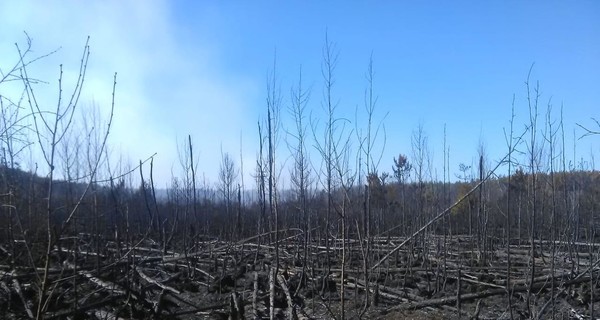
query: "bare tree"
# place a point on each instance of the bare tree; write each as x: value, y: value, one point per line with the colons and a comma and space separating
x: 370, y: 158
x: 261, y: 183
x: 14, y: 139
x: 187, y: 184
x: 228, y: 176
x: 420, y: 152
x: 325, y: 147
x: 401, y: 169
x: 511, y: 144
x: 482, y: 208
x: 300, y: 174
x: 273, y: 112
x: 551, y: 139
x: 534, y: 150
x: 193, y: 170
x: 51, y: 127
x: 346, y: 178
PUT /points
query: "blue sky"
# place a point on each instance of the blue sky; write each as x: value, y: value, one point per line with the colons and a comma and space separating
x: 200, y: 68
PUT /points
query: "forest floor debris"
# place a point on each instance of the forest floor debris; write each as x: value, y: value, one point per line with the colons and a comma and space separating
x: 219, y: 280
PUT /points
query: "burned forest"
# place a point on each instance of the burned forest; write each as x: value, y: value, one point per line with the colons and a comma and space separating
x: 326, y: 228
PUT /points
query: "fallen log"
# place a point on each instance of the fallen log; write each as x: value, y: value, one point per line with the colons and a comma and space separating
x: 105, y: 315
x: 216, y: 306
x: 291, y: 314
x: 26, y: 302
x: 448, y: 300
x: 84, y: 308
x: 156, y: 283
